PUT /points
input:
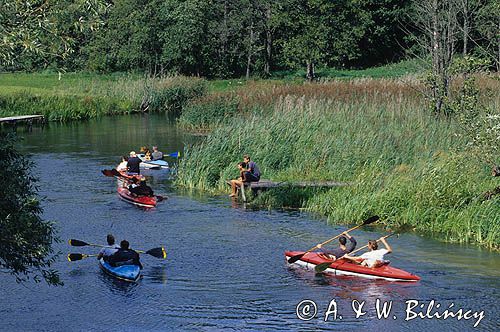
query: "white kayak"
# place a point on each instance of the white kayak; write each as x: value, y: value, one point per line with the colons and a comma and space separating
x: 152, y: 164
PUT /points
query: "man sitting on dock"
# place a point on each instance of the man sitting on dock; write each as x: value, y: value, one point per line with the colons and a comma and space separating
x: 343, y: 249
x: 252, y: 168
x: 235, y: 184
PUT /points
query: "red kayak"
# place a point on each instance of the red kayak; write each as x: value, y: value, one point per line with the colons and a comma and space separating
x: 144, y: 201
x: 344, y: 267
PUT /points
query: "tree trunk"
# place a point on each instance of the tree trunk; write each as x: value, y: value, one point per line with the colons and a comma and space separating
x: 465, y: 5
x: 310, y: 71
x: 250, y: 50
x: 269, y: 41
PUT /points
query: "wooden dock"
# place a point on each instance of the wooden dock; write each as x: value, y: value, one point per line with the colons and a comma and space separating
x: 263, y: 185
x: 23, y: 118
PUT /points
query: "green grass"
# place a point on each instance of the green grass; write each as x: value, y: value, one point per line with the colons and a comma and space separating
x: 405, y: 164
x: 77, y: 96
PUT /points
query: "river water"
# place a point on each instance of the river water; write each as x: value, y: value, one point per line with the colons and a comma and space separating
x: 225, y: 267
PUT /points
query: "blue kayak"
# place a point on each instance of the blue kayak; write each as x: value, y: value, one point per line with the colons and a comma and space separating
x: 129, y: 273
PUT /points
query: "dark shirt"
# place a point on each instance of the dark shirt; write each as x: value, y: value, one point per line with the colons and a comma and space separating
x: 254, y: 169
x: 133, y: 165
x: 124, y: 257
x: 141, y: 190
x: 338, y: 252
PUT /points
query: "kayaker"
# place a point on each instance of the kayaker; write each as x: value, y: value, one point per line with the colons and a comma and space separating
x: 110, y: 249
x: 122, y: 166
x: 156, y: 155
x: 142, y: 189
x: 124, y: 256
x: 133, y: 164
x: 252, y: 168
x: 235, y: 184
x: 147, y: 153
x: 374, y: 257
x: 343, y: 248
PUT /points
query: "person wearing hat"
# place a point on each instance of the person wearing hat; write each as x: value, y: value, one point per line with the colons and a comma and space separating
x: 142, y: 189
x: 133, y: 164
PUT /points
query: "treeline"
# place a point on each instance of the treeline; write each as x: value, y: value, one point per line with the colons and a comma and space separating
x: 230, y: 38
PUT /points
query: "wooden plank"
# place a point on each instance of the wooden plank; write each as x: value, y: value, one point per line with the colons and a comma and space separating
x: 21, y: 118
x: 267, y: 184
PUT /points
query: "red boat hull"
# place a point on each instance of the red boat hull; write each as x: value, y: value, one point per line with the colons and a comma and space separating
x: 344, y: 267
x: 143, y: 201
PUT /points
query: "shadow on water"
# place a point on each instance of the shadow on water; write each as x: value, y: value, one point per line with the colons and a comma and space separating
x: 117, y: 286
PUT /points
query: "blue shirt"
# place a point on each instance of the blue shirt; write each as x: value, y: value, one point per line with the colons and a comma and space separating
x: 254, y: 169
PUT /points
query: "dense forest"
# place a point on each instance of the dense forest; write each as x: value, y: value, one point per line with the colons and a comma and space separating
x: 230, y: 38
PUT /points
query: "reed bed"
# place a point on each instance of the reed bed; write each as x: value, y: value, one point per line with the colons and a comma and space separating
x: 405, y: 164
x: 94, y: 96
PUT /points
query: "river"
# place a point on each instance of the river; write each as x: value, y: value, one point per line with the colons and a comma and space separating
x: 225, y: 267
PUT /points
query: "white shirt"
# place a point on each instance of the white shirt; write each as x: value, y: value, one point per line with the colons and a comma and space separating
x: 108, y: 250
x: 371, y: 257
x: 122, y: 166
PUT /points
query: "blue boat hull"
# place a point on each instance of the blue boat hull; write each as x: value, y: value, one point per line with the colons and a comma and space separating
x: 129, y: 273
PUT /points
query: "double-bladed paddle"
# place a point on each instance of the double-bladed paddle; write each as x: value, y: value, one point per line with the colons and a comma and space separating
x: 323, y: 266
x: 155, y: 252
x: 370, y: 220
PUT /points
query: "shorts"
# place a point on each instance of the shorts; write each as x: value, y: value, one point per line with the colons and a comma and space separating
x: 249, y: 177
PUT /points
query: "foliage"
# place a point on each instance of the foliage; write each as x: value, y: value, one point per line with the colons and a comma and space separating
x: 25, y: 239
x: 35, y: 33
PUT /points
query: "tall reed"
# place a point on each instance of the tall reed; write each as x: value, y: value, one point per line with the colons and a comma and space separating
x: 405, y: 164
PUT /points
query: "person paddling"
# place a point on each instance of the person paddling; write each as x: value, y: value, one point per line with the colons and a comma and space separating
x: 122, y: 166
x: 156, y: 155
x: 343, y: 248
x: 374, y: 257
x: 125, y: 256
x: 110, y: 249
x: 133, y: 164
x: 142, y: 189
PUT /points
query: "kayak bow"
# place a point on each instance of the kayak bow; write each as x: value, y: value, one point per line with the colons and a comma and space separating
x: 130, y: 273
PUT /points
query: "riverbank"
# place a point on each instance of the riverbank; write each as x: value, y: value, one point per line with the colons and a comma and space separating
x: 406, y: 165
x: 78, y: 96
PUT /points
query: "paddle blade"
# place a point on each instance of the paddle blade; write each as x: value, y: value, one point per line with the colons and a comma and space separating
x: 295, y: 258
x: 157, y: 252
x: 77, y: 243
x: 75, y: 257
x: 175, y: 154
x: 322, y: 267
x: 107, y: 172
x: 371, y: 220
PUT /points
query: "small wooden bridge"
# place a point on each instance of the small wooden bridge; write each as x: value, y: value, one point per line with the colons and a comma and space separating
x: 262, y: 185
x: 23, y: 118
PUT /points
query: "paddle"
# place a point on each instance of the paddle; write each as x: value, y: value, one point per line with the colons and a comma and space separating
x: 176, y: 154
x: 155, y: 252
x: 323, y: 266
x: 370, y: 220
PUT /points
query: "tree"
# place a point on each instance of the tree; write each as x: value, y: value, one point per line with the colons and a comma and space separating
x: 25, y: 239
x: 32, y: 33
x: 438, y: 29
